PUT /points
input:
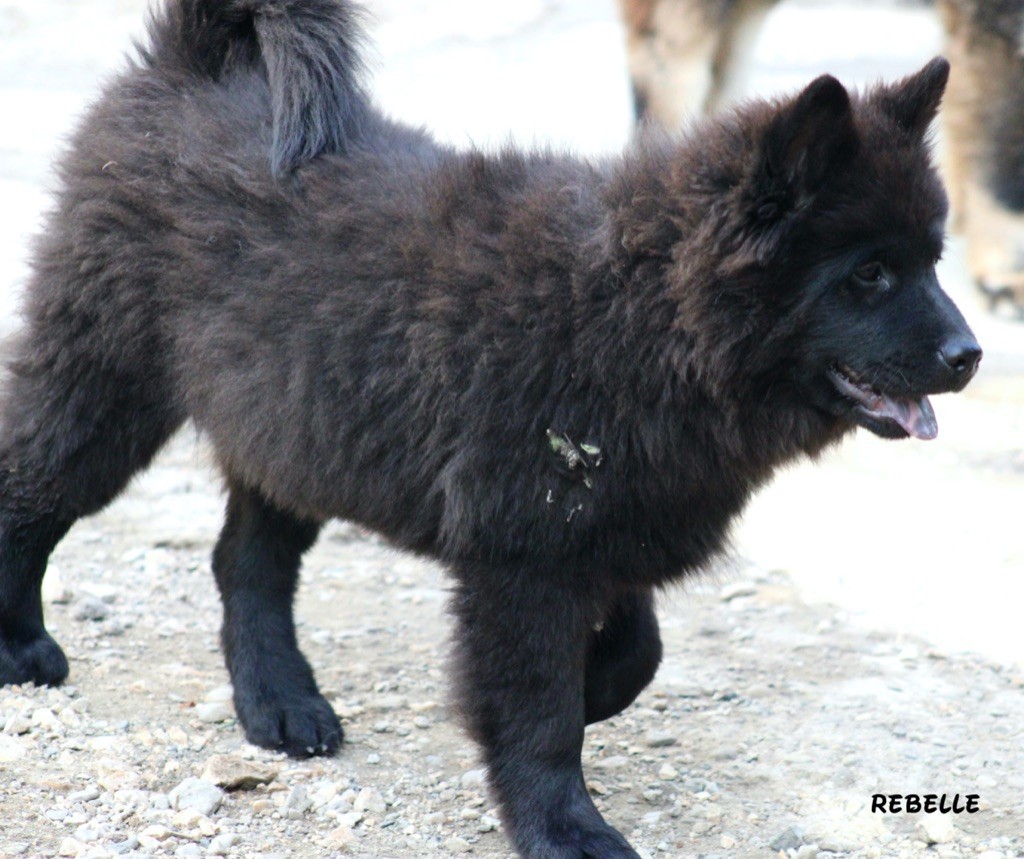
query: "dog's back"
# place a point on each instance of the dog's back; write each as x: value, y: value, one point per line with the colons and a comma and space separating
x: 179, y: 187
x: 235, y: 224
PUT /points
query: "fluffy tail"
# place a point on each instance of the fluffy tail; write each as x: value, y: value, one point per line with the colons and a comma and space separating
x: 309, y: 49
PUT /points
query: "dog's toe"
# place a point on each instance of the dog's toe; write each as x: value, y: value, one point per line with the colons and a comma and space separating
x: 300, y: 727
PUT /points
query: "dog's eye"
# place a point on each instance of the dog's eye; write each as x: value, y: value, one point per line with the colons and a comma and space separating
x: 871, y: 276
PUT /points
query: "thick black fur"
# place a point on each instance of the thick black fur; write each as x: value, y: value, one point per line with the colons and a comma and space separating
x: 562, y: 379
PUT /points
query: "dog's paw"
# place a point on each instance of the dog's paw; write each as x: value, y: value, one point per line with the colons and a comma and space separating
x: 574, y: 841
x: 38, y: 660
x: 301, y: 726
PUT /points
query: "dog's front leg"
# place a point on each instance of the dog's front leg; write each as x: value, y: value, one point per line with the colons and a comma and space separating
x: 522, y: 643
x: 256, y: 563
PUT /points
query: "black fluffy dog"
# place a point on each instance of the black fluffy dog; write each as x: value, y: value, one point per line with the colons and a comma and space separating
x: 562, y: 379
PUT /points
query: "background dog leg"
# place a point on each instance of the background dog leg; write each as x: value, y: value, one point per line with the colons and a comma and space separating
x: 623, y: 656
x: 984, y: 125
x: 256, y: 564
x: 687, y: 57
x: 521, y: 658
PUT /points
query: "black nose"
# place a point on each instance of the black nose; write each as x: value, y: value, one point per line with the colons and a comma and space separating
x: 962, y: 355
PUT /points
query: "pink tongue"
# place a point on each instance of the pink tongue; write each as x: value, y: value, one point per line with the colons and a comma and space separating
x: 917, y: 418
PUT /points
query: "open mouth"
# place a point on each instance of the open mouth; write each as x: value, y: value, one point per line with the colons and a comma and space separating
x: 882, y: 413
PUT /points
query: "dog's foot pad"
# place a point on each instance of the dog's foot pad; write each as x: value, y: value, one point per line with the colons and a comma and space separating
x: 301, y: 726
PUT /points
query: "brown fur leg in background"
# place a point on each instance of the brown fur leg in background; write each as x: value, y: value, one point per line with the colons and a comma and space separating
x: 686, y: 56
x: 984, y: 124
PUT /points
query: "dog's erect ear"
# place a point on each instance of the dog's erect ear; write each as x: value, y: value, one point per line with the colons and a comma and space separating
x: 914, y: 101
x: 810, y: 138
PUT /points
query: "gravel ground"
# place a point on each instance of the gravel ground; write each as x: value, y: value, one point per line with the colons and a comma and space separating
x: 768, y: 728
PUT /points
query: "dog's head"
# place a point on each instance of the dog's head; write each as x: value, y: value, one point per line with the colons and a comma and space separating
x: 849, y: 214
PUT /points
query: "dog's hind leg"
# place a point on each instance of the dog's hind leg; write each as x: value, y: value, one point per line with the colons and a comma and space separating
x: 522, y: 652
x: 256, y: 563
x: 623, y: 656
x: 73, y: 433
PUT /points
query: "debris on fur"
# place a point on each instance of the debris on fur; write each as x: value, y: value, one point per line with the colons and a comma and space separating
x: 581, y: 458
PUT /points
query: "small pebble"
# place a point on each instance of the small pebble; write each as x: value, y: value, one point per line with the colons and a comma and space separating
x: 224, y: 693
x: 157, y: 832
x: 370, y: 800
x: 235, y: 773
x: 789, y: 839
x: 222, y: 844
x: 350, y: 818
x: 458, y: 845
x: 935, y: 829
x: 130, y: 844
x: 473, y: 779
x: 341, y: 838
x: 615, y: 762
x: 298, y: 801
x: 70, y: 847
x: 214, y: 711
x: 86, y: 794
x: 17, y: 724
x: 659, y: 739
x: 90, y: 608
x: 45, y: 718
x: 203, y: 796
